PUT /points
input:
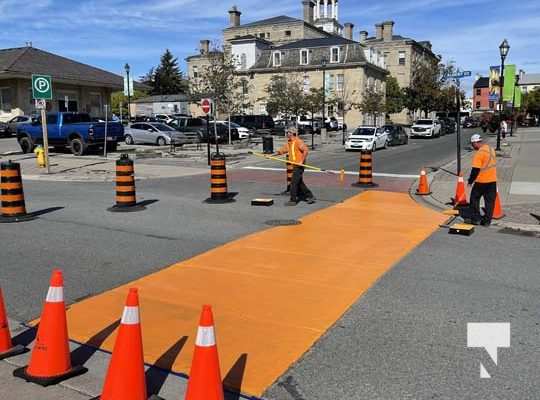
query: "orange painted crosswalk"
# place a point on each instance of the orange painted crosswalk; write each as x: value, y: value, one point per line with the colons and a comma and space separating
x: 275, y: 292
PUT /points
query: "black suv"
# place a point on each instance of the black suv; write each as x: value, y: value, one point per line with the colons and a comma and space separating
x: 197, y: 126
x: 396, y: 135
x: 256, y: 122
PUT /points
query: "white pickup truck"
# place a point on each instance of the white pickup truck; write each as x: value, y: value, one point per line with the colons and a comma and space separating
x: 427, y: 128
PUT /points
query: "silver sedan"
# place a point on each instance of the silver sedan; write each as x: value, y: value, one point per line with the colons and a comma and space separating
x: 153, y: 133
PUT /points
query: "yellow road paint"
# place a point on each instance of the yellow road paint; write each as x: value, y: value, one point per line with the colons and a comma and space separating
x: 275, y: 292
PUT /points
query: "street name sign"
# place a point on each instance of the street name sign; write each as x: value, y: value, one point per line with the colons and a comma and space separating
x: 41, y: 87
x: 206, y: 105
x: 461, y: 74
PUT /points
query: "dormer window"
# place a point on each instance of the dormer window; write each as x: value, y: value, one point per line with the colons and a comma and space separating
x: 277, y: 59
x: 334, y: 55
x: 304, y: 57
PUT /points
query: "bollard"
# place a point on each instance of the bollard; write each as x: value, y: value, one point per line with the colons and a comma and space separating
x: 126, y: 199
x: 365, y: 178
x: 218, y: 181
x: 342, y: 175
x: 13, y: 204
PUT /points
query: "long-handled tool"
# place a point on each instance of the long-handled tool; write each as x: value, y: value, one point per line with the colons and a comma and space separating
x: 292, y: 162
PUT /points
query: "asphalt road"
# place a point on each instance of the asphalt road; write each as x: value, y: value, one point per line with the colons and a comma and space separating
x: 401, y: 160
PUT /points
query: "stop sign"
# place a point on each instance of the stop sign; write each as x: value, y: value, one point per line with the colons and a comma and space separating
x: 206, y: 105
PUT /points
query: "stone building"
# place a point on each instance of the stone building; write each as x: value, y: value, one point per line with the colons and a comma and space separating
x: 76, y: 86
x: 400, y: 55
x: 304, y: 49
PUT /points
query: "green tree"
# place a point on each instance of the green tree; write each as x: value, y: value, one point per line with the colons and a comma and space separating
x: 394, y: 96
x: 285, y: 96
x: 167, y: 77
x: 118, y: 98
x: 531, y: 102
x: 372, y: 104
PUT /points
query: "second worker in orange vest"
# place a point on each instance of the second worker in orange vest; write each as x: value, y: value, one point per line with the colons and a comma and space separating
x: 298, y: 152
x: 484, y: 177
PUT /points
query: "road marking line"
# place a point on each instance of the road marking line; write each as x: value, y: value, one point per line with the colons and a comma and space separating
x: 355, y: 173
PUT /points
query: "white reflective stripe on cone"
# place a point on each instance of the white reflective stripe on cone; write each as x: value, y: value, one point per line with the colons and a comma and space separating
x: 130, y: 316
x: 55, y: 294
x: 205, y: 336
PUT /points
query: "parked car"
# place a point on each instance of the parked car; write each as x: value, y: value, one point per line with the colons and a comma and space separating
x: 396, y: 135
x: 426, y: 128
x: 367, y: 138
x: 166, y: 119
x: 4, y: 130
x: 255, y: 122
x: 74, y: 130
x: 448, y: 125
x: 15, y: 122
x: 144, y: 118
x: 471, y: 123
x: 198, y: 126
x: 243, y: 132
x: 153, y: 133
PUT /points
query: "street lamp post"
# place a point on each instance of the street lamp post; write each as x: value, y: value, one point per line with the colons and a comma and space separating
x: 503, y: 49
x: 323, y: 127
x: 126, y: 67
x: 513, y: 106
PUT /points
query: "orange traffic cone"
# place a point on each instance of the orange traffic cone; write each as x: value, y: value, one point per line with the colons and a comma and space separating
x: 460, y: 199
x: 125, y: 376
x: 205, y: 378
x: 50, y: 361
x: 498, y: 212
x: 6, y: 345
x: 423, y: 184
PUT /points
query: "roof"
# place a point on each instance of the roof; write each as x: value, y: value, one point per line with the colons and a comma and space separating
x: 282, y: 19
x: 203, y: 55
x: 394, y: 37
x: 318, y: 42
x: 30, y: 60
x: 530, y: 79
x: 166, y: 98
x: 482, y: 82
x: 249, y: 38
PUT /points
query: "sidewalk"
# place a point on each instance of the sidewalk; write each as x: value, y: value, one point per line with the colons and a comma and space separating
x: 518, y: 171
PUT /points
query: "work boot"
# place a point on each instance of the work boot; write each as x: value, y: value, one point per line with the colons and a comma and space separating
x: 310, y: 200
x: 291, y: 203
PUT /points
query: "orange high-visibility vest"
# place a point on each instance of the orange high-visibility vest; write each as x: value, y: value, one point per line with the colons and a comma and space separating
x: 485, y: 159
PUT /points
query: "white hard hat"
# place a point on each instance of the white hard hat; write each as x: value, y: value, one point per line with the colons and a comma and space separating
x: 476, y: 138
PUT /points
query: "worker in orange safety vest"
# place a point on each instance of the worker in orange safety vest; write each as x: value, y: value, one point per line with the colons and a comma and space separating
x: 484, y: 177
x: 298, y: 152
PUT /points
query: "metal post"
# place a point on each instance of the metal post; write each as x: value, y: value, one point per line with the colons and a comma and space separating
x: 215, y: 130
x: 513, y: 110
x: 458, y: 123
x: 323, y: 127
x: 106, y: 125
x: 501, y: 86
x: 45, y: 136
x: 208, y: 136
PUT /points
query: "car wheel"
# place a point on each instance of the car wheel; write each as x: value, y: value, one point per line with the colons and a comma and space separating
x: 385, y: 144
x: 129, y: 140
x: 77, y: 146
x: 27, y: 145
x: 161, y: 141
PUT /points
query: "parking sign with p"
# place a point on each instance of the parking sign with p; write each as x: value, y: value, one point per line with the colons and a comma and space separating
x: 41, y: 87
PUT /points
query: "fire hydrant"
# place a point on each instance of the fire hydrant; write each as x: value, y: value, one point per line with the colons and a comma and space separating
x: 40, y: 157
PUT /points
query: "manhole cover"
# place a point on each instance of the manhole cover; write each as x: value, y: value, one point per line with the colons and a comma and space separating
x: 282, y: 222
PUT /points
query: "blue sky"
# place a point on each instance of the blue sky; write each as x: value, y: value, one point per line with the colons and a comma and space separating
x: 109, y: 33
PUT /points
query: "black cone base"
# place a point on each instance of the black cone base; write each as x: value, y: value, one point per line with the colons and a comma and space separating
x: 365, y: 185
x: 20, y: 218
x: 423, y: 194
x: 153, y: 397
x: 219, y: 201
x: 14, y: 351
x: 124, y: 209
x: 48, y: 381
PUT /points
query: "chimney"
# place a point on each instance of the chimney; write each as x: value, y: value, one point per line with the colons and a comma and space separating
x: 205, y: 46
x: 308, y: 11
x: 388, y: 30
x: 363, y: 36
x: 379, y: 29
x: 234, y: 17
x: 348, y: 30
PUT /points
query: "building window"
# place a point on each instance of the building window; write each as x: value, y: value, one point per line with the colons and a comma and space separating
x: 477, y: 105
x: 261, y: 35
x: 262, y: 108
x: 288, y: 33
x: 331, y: 83
x: 478, y: 92
x: 340, y: 84
x: 401, y: 58
x: 304, y: 57
x: 334, y: 54
x: 277, y: 59
x: 306, y: 83
x: 243, y: 61
x: 491, y: 105
x: 5, y: 99
x: 268, y: 35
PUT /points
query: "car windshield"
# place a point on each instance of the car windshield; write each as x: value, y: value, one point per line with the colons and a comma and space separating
x: 364, y: 132
x: 163, y: 127
x: 424, y: 122
x: 388, y: 128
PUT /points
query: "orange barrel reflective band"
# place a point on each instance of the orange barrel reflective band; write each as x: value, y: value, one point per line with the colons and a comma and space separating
x: 12, y: 194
